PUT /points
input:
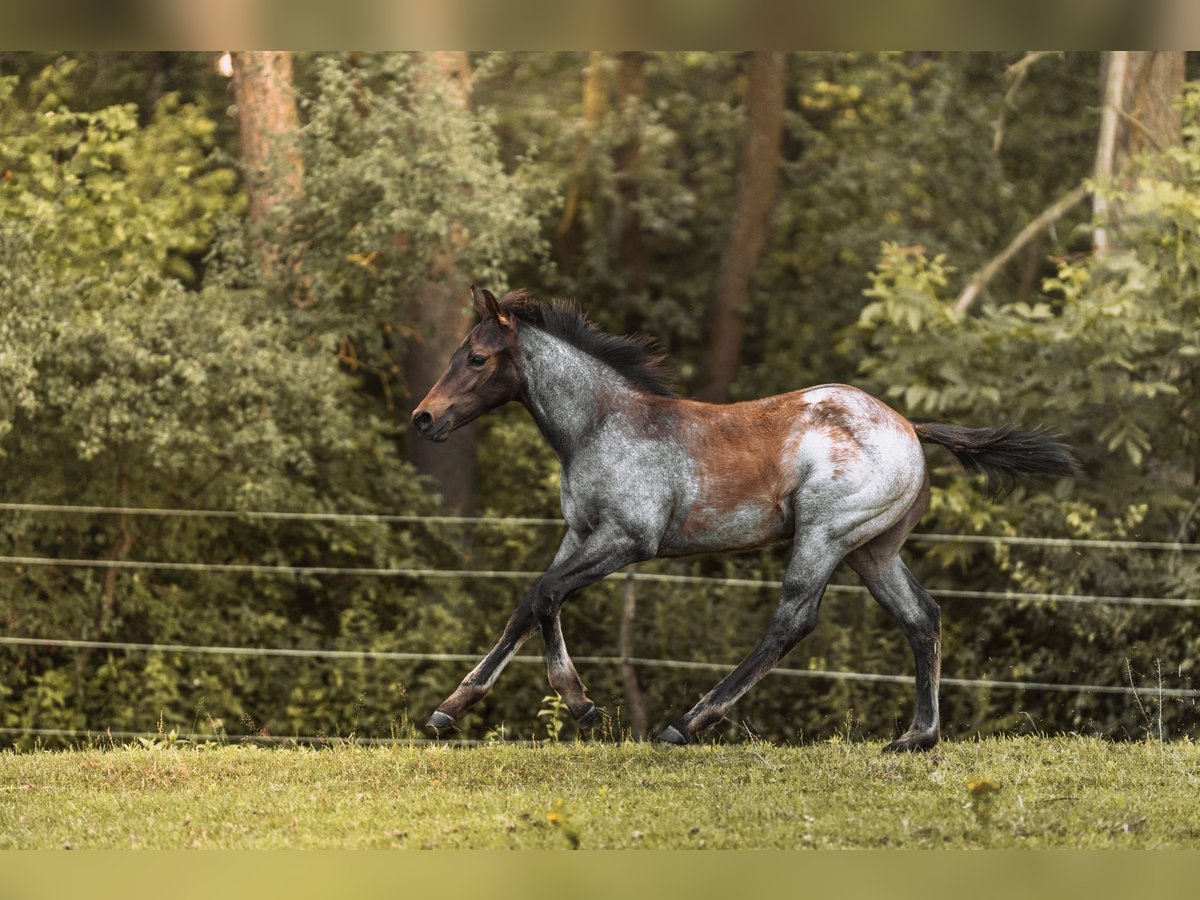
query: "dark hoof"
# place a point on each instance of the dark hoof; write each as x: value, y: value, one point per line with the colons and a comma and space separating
x: 671, y: 735
x: 589, y: 719
x: 913, y: 742
x: 439, y: 722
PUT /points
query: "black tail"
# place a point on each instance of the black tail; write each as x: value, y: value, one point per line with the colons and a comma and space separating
x: 1003, y: 453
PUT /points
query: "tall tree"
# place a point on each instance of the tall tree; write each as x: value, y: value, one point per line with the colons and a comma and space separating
x: 754, y: 199
x: 1139, y: 92
x: 1139, y: 113
x: 268, y: 123
x: 439, y: 314
x: 631, y: 85
x: 570, y: 232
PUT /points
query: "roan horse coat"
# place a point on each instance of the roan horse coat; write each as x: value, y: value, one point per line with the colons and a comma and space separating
x: 646, y: 473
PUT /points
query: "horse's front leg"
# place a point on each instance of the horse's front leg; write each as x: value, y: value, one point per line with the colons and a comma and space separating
x: 560, y: 670
x: 562, y: 675
x: 521, y: 624
x: 581, y: 560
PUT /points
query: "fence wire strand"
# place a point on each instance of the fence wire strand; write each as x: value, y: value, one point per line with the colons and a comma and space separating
x: 488, y: 521
x: 393, y: 655
x: 529, y: 575
x: 307, y: 739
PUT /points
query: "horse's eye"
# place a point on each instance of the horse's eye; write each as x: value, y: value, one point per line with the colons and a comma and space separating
x: 477, y: 360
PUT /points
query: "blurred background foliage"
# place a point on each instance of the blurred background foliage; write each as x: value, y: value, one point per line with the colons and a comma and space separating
x: 166, y: 342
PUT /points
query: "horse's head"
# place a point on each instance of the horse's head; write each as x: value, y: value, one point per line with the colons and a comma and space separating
x: 483, y: 373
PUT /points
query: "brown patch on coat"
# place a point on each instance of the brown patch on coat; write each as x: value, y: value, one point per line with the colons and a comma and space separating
x: 883, y: 416
x: 833, y: 420
x: 737, y: 451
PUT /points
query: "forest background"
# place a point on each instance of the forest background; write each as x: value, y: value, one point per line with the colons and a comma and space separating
x: 225, y: 280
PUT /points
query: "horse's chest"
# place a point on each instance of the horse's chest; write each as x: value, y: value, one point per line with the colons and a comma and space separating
x: 625, y: 479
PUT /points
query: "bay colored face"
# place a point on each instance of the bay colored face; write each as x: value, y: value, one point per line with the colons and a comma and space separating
x: 482, y: 374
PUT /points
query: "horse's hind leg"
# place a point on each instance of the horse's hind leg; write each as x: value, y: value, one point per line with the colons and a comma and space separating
x: 803, y: 586
x: 894, y: 587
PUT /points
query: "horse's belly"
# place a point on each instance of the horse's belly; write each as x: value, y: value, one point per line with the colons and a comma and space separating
x: 706, y: 529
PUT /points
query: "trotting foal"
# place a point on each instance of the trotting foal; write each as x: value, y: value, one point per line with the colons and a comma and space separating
x: 646, y: 474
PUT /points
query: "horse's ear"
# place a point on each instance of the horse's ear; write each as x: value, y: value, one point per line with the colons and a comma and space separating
x: 493, y: 309
x: 488, y: 307
x: 479, y: 302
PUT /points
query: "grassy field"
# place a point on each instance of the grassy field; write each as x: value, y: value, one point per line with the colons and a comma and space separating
x: 997, y: 793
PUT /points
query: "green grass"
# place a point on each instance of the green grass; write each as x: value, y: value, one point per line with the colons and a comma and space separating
x: 1008, y: 792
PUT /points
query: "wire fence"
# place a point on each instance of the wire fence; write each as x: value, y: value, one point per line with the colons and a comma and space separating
x: 525, y: 522
x: 647, y: 662
x: 317, y: 740
x: 527, y: 575
x: 387, y: 518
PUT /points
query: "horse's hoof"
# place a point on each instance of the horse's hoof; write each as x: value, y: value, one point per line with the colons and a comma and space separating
x: 671, y: 735
x: 913, y: 742
x: 589, y: 719
x: 439, y: 722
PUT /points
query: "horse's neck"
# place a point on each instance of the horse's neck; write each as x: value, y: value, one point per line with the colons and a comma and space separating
x: 563, y: 389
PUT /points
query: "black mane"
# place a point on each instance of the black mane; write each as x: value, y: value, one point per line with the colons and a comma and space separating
x: 635, y: 356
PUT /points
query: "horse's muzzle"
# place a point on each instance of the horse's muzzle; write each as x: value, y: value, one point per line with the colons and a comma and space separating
x: 430, y: 429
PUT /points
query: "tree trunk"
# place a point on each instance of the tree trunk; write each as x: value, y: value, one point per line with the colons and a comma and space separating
x: 267, y: 119
x: 455, y: 67
x: 569, y: 234
x: 753, y: 202
x: 636, y: 701
x: 1139, y: 115
x: 156, y: 81
x: 440, y: 314
x: 268, y: 124
x: 108, y: 606
x: 631, y: 85
x: 1155, y: 120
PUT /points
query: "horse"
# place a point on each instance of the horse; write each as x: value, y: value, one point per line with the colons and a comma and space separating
x: 647, y: 473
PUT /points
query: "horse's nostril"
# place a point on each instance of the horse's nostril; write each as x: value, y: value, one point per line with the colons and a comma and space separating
x: 422, y: 420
